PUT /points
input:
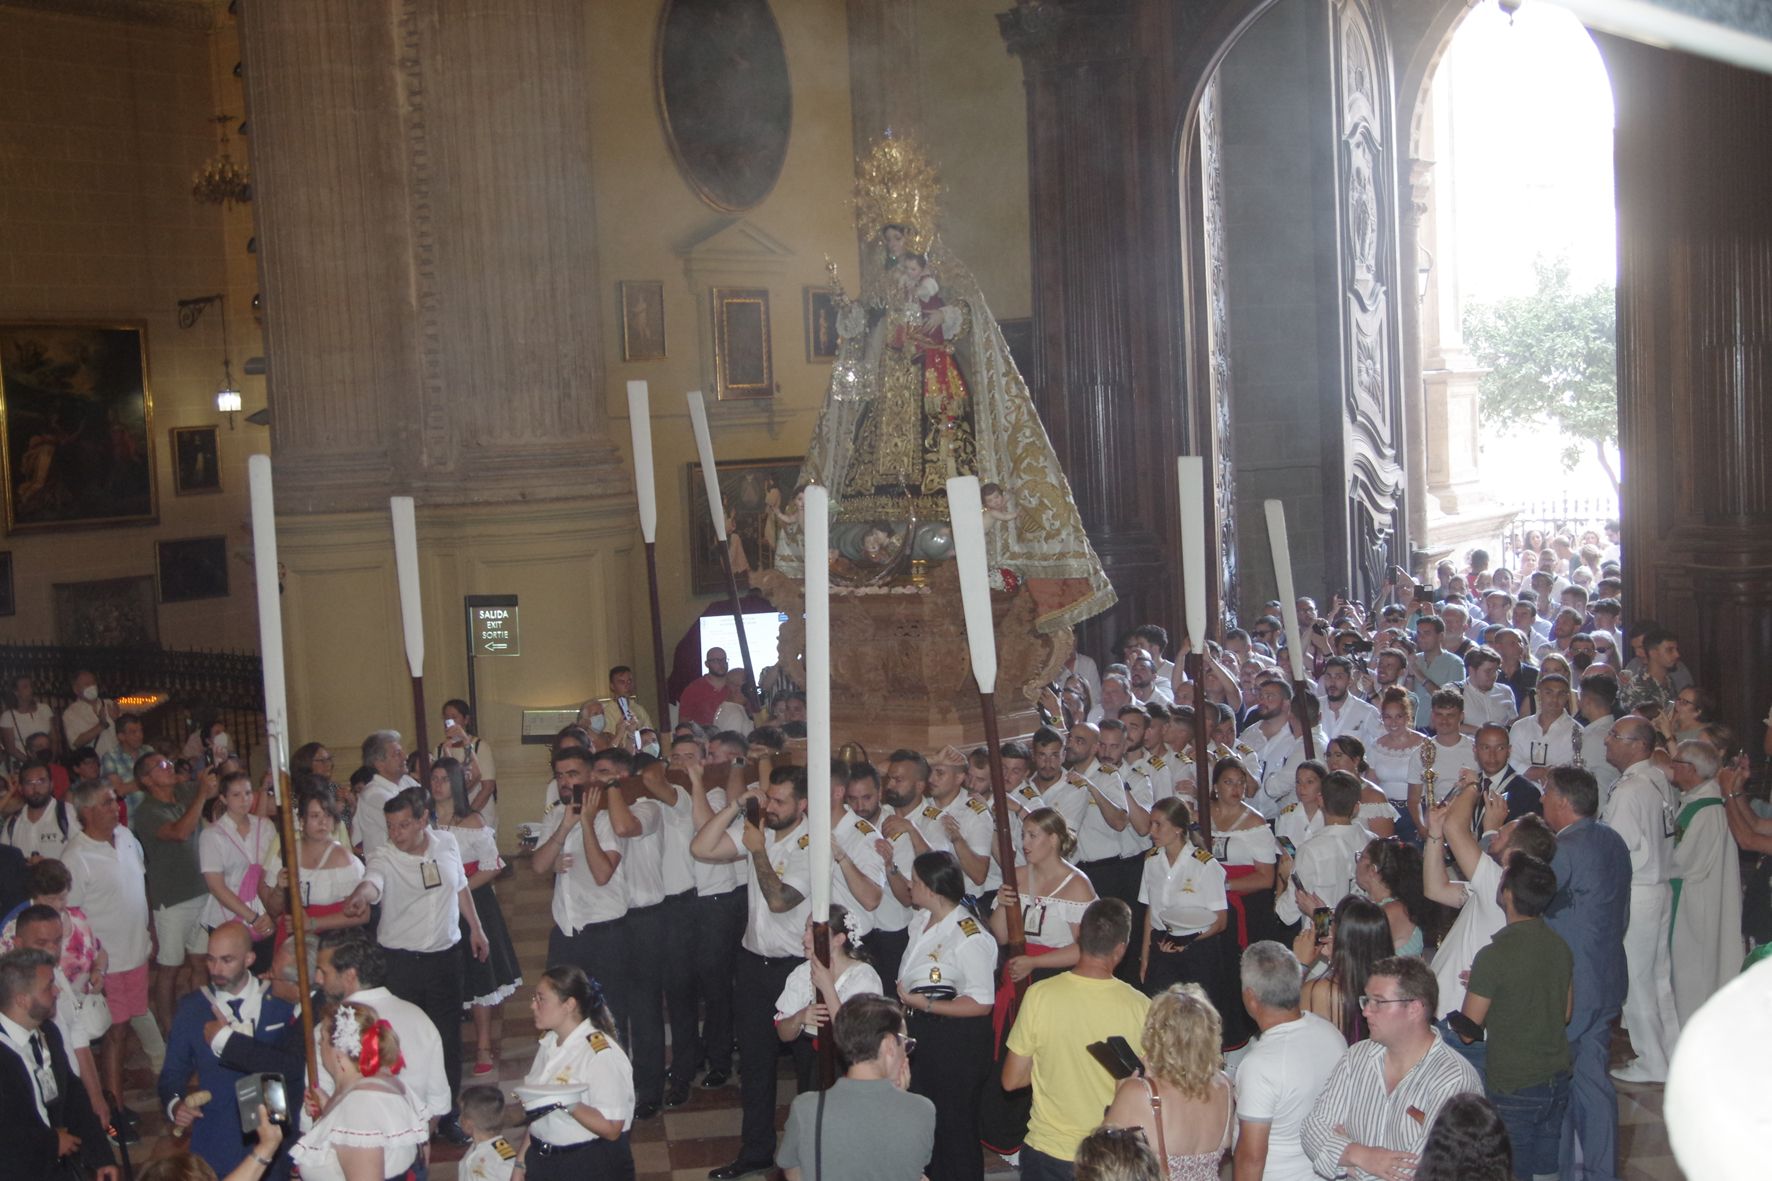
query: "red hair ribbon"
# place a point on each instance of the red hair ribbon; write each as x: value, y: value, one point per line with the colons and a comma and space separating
x: 369, y: 1061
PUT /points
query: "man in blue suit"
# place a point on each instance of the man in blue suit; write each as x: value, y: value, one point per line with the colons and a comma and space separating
x: 234, y: 1002
x: 1590, y: 912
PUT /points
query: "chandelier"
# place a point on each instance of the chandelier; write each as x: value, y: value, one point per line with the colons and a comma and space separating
x: 221, y: 181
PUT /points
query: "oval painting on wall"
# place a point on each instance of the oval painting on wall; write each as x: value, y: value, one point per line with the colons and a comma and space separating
x: 725, y: 97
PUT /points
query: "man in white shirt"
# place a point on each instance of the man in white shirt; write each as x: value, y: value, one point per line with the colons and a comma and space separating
x: 1279, y: 1079
x: 89, y: 720
x: 1325, y: 867
x: 1141, y: 672
x: 1640, y: 809
x: 26, y: 717
x: 352, y: 967
x: 40, y: 927
x: 1093, y: 802
x: 1342, y: 712
x: 110, y: 884
x: 1284, y: 752
x: 1446, y: 755
x: 1548, y: 738
x: 1486, y: 703
x: 41, y: 828
x: 423, y: 890
x: 383, y: 753
x: 778, y: 849
x: 1599, y: 693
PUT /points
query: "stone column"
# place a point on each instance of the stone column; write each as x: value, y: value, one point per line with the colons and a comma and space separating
x: 1694, y: 162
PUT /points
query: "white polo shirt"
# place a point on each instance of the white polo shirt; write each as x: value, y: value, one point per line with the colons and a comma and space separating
x: 771, y: 935
x: 713, y: 878
x: 642, y: 857
x: 1071, y: 798
x: 578, y: 900
x: 42, y: 836
x: 418, y: 894
x: 977, y: 829
x: 856, y: 838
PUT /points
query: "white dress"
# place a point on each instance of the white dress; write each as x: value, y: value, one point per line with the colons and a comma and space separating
x: 1390, y: 769
x: 796, y: 994
x: 372, y: 1113
x: 328, y: 887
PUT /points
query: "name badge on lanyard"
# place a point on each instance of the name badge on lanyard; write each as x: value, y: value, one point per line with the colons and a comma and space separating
x: 430, y: 875
x: 46, y: 1081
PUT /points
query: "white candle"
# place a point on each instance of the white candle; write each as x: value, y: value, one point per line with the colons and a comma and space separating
x: 1276, y: 538
x: 412, y: 617
x: 704, y: 447
x: 640, y: 422
x: 270, y: 609
x: 1190, y: 475
x: 966, y: 514
x: 818, y: 695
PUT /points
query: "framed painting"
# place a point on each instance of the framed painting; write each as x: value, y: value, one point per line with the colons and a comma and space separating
x: 196, y: 460
x: 642, y: 320
x: 743, y: 366
x: 725, y: 97
x: 8, y: 604
x: 193, y: 568
x: 76, y: 426
x: 111, y: 613
x: 758, y: 495
x: 821, y: 324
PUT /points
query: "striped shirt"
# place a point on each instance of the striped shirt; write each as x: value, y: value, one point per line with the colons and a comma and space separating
x: 1355, y: 1107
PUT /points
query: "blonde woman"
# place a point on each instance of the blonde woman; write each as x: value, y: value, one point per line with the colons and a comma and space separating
x: 1183, y: 1104
x: 1052, y: 893
x: 369, y: 1128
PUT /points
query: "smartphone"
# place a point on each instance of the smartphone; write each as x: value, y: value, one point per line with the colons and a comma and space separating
x: 1117, y: 1057
x: 1287, y: 847
x: 753, y: 812
x: 255, y: 1089
x: 1464, y: 1027
x: 1424, y: 594
x: 1320, y: 919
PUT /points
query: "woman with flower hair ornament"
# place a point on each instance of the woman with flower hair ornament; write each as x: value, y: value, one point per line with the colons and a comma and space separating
x: 801, y: 1014
x: 585, y: 1140
x: 369, y: 1128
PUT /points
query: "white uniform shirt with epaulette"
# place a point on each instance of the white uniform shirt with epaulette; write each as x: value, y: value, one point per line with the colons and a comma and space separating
x: 856, y: 838
x: 588, y: 1058
x: 579, y: 900
x: 1242, y: 753
x: 1183, y: 897
x: 977, y: 829
x: 957, y: 951
x: 488, y: 1160
x: 893, y: 915
x: 1279, y: 770
x: 1296, y: 824
x: 676, y: 833
x: 1161, y: 769
x: 1140, y: 790
x: 1071, y: 797
x: 1023, y: 798
x: 771, y: 935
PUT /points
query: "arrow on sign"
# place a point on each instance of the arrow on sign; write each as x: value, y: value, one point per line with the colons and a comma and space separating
x: 496, y: 647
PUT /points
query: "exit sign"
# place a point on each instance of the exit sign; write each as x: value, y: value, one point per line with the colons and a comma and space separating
x: 493, y: 625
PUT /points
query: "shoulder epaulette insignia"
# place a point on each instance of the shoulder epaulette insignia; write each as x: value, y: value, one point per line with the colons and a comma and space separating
x: 976, y: 804
x: 1077, y: 779
x: 1289, y: 808
x: 932, y: 813
x: 1243, y: 748
x: 863, y: 827
x: 1203, y: 856
x: 599, y: 1043
x: 969, y: 927
x: 1027, y: 792
x: 805, y: 840
x: 1157, y: 762
x: 504, y: 1149
x: 1151, y: 852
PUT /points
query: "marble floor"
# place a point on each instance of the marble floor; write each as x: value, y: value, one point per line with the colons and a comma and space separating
x: 684, y: 1143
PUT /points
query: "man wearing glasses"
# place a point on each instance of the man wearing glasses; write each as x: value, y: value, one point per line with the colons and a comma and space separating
x: 1374, y: 1113
x: 166, y: 822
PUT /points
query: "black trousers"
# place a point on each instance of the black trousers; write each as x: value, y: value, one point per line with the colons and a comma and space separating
x: 432, y: 981
x: 887, y: 950
x: 679, y: 985
x: 760, y: 982
x: 597, y: 1160
x: 952, y: 1062
x: 718, y: 929
x: 600, y: 949
x: 642, y: 1026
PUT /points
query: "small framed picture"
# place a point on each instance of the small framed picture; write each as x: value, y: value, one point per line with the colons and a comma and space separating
x: 196, y: 461
x: 193, y: 568
x: 743, y: 364
x: 821, y: 324
x: 642, y: 320
x: 8, y: 605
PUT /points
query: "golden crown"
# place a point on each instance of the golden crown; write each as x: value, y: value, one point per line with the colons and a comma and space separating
x: 896, y: 185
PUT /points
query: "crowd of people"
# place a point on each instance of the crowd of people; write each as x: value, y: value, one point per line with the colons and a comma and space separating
x: 1486, y: 827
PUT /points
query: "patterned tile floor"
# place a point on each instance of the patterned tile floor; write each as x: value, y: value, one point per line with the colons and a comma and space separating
x: 684, y: 1143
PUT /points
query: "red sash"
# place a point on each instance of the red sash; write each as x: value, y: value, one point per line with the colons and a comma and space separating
x: 284, y: 929
x: 1003, y: 1009
x: 1231, y: 874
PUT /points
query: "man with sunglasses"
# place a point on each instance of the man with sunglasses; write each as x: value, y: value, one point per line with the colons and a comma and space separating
x: 167, y: 821
x: 1375, y: 1111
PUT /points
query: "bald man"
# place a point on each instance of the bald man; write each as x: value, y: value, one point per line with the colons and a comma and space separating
x: 234, y: 1001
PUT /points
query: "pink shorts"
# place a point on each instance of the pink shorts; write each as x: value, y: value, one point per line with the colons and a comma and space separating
x: 127, y: 993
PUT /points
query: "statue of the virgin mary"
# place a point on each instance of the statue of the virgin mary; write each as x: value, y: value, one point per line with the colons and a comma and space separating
x: 924, y: 388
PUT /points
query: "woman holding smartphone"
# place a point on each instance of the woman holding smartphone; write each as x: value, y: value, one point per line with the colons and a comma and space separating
x: 475, y: 756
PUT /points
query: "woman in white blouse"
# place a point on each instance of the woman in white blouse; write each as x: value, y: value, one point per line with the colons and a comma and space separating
x: 329, y: 871
x: 1052, y: 894
x: 799, y: 1015
x: 369, y: 1128
x: 584, y: 1138
x: 1244, y: 845
x: 241, y: 857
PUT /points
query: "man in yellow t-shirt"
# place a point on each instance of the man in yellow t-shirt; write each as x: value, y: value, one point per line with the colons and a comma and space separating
x: 1049, y: 1045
